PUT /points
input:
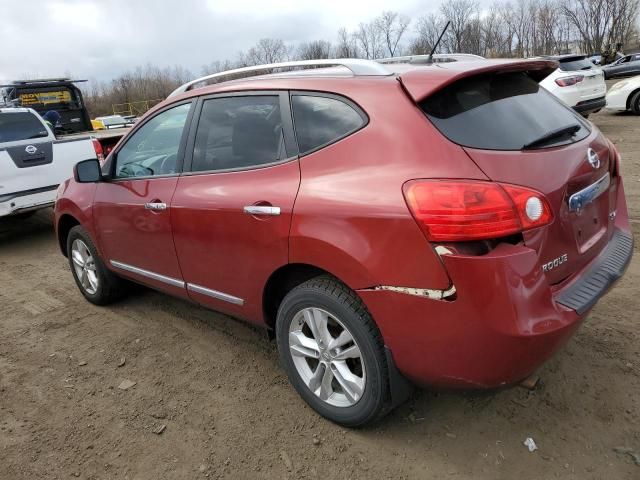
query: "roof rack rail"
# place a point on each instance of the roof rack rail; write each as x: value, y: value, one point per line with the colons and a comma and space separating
x: 437, y: 58
x: 358, y: 66
x: 43, y: 80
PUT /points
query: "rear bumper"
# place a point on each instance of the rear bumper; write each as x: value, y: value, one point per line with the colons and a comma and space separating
x: 14, y: 203
x: 503, y: 323
x: 588, y: 106
x: 603, y: 272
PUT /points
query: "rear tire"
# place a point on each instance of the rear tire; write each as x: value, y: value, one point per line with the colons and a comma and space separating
x: 98, y: 285
x: 333, y: 352
x: 635, y: 103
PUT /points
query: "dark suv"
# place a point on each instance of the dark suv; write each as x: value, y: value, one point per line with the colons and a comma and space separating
x: 449, y: 225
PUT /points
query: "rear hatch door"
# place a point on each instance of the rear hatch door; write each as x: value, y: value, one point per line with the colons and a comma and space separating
x: 582, y: 227
x: 518, y: 133
x: 593, y: 85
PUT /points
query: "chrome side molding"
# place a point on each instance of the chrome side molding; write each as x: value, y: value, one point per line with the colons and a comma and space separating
x: 146, y: 273
x: 178, y: 283
x: 589, y: 194
x: 215, y: 294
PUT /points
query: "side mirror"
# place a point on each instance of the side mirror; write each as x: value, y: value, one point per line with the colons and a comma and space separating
x: 87, y: 171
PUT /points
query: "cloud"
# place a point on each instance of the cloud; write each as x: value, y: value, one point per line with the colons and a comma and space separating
x: 101, y: 39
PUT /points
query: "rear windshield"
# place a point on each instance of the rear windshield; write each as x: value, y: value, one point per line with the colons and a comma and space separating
x: 20, y: 126
x: 50, y: 98
x: 575, y: 64
x: 504, y: 111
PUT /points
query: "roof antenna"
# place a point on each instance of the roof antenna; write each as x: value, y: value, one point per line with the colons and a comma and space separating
x: 429, y: 60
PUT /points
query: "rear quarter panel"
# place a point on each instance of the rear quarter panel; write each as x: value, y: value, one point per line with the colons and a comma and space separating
x: 350, y: 217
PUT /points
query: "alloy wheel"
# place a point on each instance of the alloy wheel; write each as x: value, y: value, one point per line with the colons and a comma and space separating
x: 327, y: 357
x: 84, y: 266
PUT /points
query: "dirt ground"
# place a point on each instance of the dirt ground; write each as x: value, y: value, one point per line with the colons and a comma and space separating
x: 228, y: 411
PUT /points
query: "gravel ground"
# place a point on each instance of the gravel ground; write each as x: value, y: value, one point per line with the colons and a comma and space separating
x: 213, y: 388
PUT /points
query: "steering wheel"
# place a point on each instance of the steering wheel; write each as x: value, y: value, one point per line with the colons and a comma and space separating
x: 169, y: 164
x: 134, y: 170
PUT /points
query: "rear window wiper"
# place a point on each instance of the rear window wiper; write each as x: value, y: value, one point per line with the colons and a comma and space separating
x: 569, y: 130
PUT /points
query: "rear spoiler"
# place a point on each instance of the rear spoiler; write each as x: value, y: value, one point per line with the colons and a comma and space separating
x: 423, y: 81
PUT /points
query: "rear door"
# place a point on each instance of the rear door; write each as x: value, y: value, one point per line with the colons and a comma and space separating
x: 132, y: 211
x: 502, y: 120
x: 231, y: 212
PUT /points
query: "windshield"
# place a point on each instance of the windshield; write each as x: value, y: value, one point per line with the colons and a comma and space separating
x: 503, y: 111
x: 20, y: 126
x: 575, y: 64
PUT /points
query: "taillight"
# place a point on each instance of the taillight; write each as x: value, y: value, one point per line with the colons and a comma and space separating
x: 97, y: 146
x: 568, y: 81
x: 452, y: 210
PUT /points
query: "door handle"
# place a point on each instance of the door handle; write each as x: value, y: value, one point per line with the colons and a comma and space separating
x: 155, y: 206
x: 262, y: 210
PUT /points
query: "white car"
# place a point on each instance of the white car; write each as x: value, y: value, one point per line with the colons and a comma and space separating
x: 578, y: 83
x: 33, y: 162
x: 625, y: 95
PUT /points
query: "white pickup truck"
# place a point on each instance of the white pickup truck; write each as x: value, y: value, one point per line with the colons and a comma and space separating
x: 33, y: 162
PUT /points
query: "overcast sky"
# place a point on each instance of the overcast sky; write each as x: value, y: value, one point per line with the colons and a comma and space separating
x: 103, y: 38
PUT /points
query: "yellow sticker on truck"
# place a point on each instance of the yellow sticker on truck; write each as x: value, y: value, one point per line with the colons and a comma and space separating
x: 45, y: 98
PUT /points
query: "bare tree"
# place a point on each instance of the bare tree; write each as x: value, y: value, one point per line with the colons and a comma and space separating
x: 459, y: 13
x: 392, y: 27
x: 347, y: 46
x: 428, y: 29
x: 147, y: 84
x: 547, y: 21
x: 217, y: 66
x: 624, y: 20
x: 591, y: 18
x: 369, y: 39
x: 507, y: 28
x: 267, y: 50
x: 314, y: 50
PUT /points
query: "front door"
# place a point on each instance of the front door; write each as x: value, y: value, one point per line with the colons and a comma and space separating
x: 232, y: 208
x: 132, y: 210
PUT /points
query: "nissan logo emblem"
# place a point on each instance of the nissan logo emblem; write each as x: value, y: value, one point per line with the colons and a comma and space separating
x: 30, y: 149
x: 593, y: 158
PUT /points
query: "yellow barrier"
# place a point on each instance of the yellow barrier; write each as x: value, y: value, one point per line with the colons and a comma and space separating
x: 134, y: 108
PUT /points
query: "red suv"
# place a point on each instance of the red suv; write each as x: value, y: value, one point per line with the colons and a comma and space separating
x: 450, y: 225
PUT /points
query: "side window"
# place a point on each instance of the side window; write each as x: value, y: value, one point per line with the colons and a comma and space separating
x: 238, y: 132
x: 322, y: 120
x: 153, y: 148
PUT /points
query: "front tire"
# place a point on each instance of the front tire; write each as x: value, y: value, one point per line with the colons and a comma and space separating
x: 333, y: 352
x: 98, y: 285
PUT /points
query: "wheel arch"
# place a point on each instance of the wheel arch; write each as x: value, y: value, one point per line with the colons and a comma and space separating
x: 64, y: 226
x: 630, y: 97
x: 282, y: 281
